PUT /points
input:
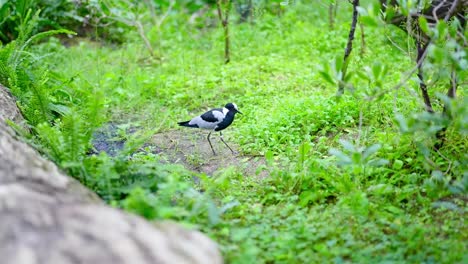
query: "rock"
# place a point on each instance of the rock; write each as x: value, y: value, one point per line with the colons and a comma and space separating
x: 48, y: 217
x: 8, y: 108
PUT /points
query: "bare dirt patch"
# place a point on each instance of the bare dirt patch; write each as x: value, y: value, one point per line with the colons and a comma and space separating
x: 191, y: 149
x: 188, y: 147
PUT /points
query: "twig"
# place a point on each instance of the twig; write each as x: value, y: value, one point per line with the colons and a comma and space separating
x: 451, y: 11
x: 164, y: 16
x: 361, y: 116
x: 150, y: 5
x: 446, y: 159
x: 133, y: 23
x: 142, y: 33
x: 405, y: 79
x: 363, y: 39
x: 395, y: 44
x: 421, y: 51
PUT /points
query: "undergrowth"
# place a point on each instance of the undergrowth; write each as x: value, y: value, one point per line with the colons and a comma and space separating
x: 351, y: 179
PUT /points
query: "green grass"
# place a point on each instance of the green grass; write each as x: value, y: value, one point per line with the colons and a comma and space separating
x: 381, y: 196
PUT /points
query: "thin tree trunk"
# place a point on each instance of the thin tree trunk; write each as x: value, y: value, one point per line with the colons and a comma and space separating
x: 451, y: 93
x: 349, y: 47
x: 427, y: 100
x: 141, y: 31
x: 251, y: 10
x: 363, y: 39
x: 225, y: 23
x: 227, y: 54
x: 331, y: 18
x: 336, y: 8
x: 332, y: 10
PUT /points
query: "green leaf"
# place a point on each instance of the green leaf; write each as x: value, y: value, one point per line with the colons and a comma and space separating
x: 377, y: 70
x: 363, y: 75
x: 228, y: 206
x: 361, y: 10
x: 378, y: 162
x: 348, y: 145
x: 402, y: 122
x: 60, y: 108
x: 393, y: 209
x: 397, y: 164
x: 213, y: 213
x: 424, y: 25
x: 437, y: 176
x: 339, y: 63
x: 369, y: 21
x: 327, y: 77
x: 389, y: 13
x: 348, y: 76
x: 304, y: 149
x: 442, y: 29
x: 343, y: 159
x: 41, y: 35
x: 269, y: 156
x: 371, y: 150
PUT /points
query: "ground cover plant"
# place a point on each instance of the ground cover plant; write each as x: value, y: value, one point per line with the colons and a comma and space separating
x: 353, y: 178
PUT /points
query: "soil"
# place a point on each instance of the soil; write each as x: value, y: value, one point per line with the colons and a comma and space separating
x: 107, y: 139
x: 188, y: 147
x: 191, y: 148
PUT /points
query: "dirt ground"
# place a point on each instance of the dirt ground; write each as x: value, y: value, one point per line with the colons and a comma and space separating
x: 188, y: 147
x: 192, y: 149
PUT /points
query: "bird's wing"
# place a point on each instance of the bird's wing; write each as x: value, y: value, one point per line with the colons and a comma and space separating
x: 213, y: 116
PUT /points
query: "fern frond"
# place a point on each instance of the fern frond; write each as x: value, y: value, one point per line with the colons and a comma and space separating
x: 52, y: 141
x: 44, y: 34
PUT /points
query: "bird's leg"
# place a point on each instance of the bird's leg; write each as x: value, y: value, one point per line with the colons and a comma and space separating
x: 221, y: 136
x: 214, y: 153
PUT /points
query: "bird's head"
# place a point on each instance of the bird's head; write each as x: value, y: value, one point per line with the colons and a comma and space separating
x: 233, y: 107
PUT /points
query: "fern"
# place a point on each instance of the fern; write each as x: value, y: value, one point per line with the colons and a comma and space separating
x: 7, y: 73
x: 15, y: 68
x: 38, y: 106
x: 66, y: 142
x: 62, y: 127
x: 52, y: 141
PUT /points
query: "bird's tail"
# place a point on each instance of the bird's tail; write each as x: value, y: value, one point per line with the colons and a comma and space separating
x: 186, y: 124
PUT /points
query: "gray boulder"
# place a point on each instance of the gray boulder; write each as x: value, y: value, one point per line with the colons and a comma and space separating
x: 48, y: 217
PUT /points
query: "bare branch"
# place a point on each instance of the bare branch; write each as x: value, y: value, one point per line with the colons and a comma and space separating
x: 164, y: 16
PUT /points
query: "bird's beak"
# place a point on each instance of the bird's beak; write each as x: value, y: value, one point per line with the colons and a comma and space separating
x: 239, y: 112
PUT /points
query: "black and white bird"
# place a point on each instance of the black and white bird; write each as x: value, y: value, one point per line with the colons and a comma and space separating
x: 216, y: 119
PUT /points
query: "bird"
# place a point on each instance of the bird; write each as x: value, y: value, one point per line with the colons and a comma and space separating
x: 216, y: 119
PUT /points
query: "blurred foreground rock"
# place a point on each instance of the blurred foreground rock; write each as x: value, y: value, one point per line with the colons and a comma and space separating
x: 47, y: 217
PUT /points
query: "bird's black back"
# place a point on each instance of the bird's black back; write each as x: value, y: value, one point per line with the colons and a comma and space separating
x: 209, y: 117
